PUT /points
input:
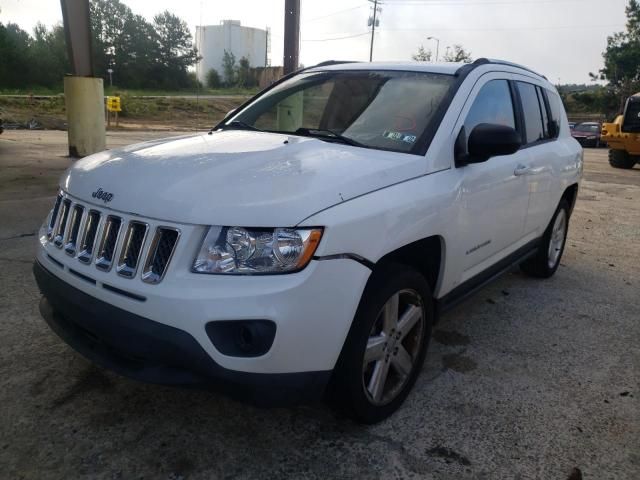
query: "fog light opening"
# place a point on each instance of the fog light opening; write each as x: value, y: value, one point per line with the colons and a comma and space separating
x: 242, y: 338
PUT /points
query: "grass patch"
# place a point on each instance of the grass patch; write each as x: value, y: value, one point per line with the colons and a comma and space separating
x: 140, y: 112
x: 109, y: 91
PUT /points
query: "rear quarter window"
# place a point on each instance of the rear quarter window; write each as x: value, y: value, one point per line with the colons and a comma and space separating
x: 557, y: 110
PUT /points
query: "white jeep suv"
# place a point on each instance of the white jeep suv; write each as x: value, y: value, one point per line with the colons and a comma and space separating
x: 306, y: 245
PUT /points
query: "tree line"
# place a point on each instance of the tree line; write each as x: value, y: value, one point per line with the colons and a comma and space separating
x: 141, y: 54
x: 455, y: 53
x: 621, y: 72
x: 621, y: 68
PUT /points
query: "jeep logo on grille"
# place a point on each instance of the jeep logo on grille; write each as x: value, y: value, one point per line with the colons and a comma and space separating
x: 102, y: 195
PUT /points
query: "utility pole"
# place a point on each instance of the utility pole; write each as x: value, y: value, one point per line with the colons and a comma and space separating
x: 291, y: 36
x: 373, y: 23
x: 437, y: 46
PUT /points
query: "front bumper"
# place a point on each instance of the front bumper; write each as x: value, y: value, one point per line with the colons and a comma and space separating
x: 149, y: 351
x: 311, y: 309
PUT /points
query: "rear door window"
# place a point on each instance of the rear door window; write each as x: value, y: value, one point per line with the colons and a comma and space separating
x: 533, y: 119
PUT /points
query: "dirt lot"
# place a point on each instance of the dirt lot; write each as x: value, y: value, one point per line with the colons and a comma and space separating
x: 138, y: 112
x: 528, y: 379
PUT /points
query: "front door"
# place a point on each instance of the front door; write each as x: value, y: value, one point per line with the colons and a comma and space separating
x: 494, y: 199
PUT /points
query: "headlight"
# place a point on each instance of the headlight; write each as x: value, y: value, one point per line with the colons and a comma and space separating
x: 256, y: 250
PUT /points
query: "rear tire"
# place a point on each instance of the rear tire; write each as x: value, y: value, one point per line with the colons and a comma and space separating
x: 621, y: 159
x: 547, y: 259
x: 382, y: 357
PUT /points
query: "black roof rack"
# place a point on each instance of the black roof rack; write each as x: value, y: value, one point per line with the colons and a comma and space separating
x: 491, y: 61
x: 328, y: 63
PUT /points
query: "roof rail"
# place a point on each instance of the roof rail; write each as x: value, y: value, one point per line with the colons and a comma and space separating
x: 328, y: 63
x: 492, y: 61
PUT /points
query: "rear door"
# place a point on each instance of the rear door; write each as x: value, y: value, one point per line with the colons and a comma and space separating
x: 542, y: 155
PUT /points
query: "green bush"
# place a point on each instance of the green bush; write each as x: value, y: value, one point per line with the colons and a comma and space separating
x: 213, y: 78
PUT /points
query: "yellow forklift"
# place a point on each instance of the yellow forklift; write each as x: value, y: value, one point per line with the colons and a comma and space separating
x: 623, y: 135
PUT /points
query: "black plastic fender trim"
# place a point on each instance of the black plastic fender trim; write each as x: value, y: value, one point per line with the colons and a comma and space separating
x: 349, y: 256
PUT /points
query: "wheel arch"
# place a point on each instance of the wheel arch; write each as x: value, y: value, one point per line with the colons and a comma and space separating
x: 425, y: 255
x: 571, y: 195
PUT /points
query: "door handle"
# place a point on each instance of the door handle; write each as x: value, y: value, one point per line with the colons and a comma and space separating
x: 522, y: 170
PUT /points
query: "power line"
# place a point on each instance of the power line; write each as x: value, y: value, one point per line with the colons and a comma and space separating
x: 462, y: 29
x: 334, y: 13
x: 467, y: 3
x: 334, y: 38
x: 435, y: 28
x: 454, y: 3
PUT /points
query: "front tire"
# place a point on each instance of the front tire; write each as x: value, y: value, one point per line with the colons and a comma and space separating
x: 621, y: 159
x: 386, y: 346
x: 547, y: 258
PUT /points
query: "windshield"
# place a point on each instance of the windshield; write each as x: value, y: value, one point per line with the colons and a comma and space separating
x: 387, y: 110
x: 586, y: 127
x: 632, y: 117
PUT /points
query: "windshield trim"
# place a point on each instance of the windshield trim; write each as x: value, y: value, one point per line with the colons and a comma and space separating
x: 423, y: 142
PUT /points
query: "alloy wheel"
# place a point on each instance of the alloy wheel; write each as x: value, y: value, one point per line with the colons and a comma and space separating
x: 558, y: 235
x: 393, y: 346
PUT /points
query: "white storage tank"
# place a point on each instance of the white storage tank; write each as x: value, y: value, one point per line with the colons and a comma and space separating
x: 213, y: 40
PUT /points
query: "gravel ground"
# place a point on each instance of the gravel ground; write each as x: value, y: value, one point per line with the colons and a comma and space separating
x: 527, y: 379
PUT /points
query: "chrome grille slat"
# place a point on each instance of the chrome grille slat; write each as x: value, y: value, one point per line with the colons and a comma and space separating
x: 87, y: 243
x: 61, y: 225
x: 54, y: 217
x: 71, y: 242
x: 108, y: 242
x: 160, y: 254
x: 131, y: 249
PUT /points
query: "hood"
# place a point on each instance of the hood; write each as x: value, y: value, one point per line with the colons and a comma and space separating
x: 235, y: 177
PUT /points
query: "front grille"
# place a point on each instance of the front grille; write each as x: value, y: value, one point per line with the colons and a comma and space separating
x: 108, y: 243
x: 131, y: 248
x: 160, y: 254
x: 88, y: 233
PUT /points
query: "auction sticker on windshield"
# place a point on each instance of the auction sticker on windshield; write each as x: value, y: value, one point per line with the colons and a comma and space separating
x: 399, y: 136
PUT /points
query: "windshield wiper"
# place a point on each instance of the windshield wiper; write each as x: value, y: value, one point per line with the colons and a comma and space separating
x: 328, y: 134
x: 239, y: 125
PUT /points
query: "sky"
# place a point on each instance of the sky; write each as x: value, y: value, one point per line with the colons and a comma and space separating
x: 562, y: 39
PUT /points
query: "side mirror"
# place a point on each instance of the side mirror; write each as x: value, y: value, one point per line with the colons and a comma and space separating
x: 486, y: 141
